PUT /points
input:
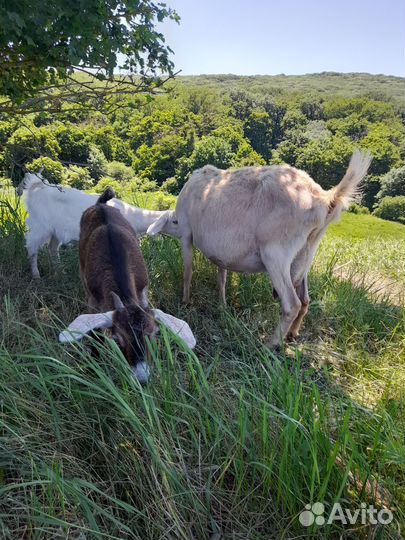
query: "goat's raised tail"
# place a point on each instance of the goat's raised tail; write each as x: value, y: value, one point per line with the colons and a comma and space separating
x: 345, y: 192
x: 107, y: 194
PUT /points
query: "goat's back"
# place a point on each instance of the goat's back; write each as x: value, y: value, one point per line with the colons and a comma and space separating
x: 101, y: 214
x: 110, y: 256
x: 56, y: 209
x: 262, y: 186
x: 249, y: 199
x: 40, y: 196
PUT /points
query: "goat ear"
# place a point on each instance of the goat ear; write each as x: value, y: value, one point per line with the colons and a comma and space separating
x: 177, y: 326
x: 158, y: 225
x: 84, y: 324
x: 118, y: 304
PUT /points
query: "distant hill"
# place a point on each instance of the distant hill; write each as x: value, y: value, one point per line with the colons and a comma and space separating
x: 380, y: 87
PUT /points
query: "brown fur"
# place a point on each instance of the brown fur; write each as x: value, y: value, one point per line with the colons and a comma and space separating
x: 96, y: 263
x: 111, y: 261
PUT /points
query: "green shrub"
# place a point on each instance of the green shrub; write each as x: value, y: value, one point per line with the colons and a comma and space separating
x: 27, y: 144
x: 392, y: 184
x: 119, y: 171
x: 370, y: 188
x: 142, y: 184
x: 5, y: 183
x: 171, y: 185
x: 209, y: 150
x: 122, y: 151
x: 391, y: 208
x: 106, y: 182
x: 6, y: 129
x: 160, y: 160
x: 51, y: 170
x: 358, y: 209
x: 384, y: 143
x: 161, y: 201
x: 73, y: 143
x: 43, y: 118
x: 325, y: 160
x: 246, y: 157
x: 78, y: 177
x: 259, y: 130
x: 293, y: 119
x: 97, y: 163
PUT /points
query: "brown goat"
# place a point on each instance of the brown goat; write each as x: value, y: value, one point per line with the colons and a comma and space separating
x: 115, y: 278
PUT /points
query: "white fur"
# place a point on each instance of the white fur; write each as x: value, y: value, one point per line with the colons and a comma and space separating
x: 87, y: 322
x: 177, y: 326
x: 55, y: 212
x: 83, y: 324
x: 141, y: 372
x: 262, y: 219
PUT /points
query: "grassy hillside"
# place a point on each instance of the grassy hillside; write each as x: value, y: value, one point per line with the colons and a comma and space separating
x: 368, y: 243
x: 366, y: 228
x: 230, y: 439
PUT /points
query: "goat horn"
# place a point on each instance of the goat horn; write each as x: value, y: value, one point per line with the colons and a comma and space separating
x: 117, y: 301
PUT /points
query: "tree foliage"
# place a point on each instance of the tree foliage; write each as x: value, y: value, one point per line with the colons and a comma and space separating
x: 78, y: 177
x: 393, y: 183
x: 43, y: 43
x: 391, y: 208
x: 51, y: 170
x: 326, y: 160
x: 145, y: 144
x: 259, y: 130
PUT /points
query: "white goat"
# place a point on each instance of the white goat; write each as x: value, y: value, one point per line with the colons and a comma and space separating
x: 55, y: 212
x: 262, y: 219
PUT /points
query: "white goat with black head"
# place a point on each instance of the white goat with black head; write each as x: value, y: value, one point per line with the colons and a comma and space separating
x: 115, y: 279
x: 55, y: 212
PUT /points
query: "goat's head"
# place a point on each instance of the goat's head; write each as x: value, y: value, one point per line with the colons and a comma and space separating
x: 130, y: 326
x: 30, y: 177
x: 166, y: 224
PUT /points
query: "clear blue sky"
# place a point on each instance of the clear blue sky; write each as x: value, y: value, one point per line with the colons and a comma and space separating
x: 287, y: 36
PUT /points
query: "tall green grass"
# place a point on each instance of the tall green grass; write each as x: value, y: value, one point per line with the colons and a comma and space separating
x: 230, y: 439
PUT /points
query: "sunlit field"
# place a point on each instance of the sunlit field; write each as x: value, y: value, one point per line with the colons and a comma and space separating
x: 230, y: 439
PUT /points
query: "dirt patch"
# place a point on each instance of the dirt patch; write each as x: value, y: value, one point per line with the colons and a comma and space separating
x: 380, y: 286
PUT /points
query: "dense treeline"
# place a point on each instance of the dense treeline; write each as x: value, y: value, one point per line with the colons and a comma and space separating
x: 225, y: 121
